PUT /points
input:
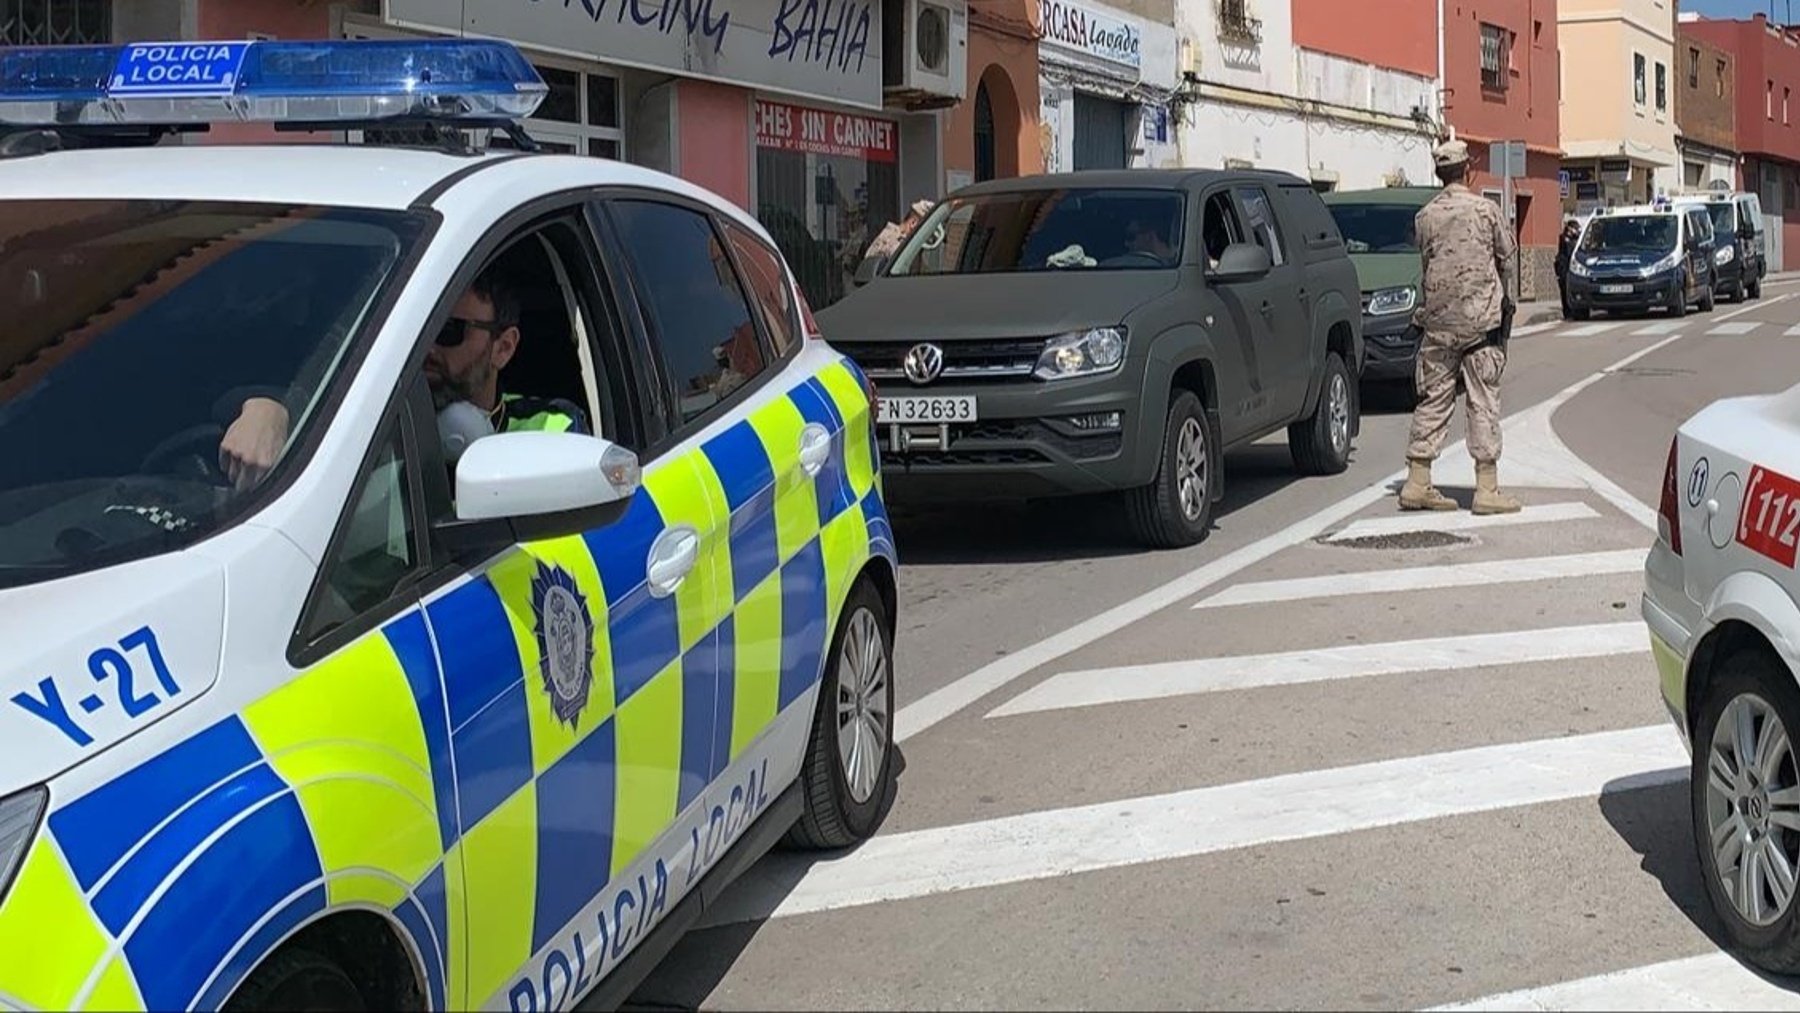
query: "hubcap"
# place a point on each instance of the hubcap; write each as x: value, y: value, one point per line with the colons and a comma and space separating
x: 1190, y: 468
x: 1753, y: 809
x: 862, y: 706
x: 1340, y: 414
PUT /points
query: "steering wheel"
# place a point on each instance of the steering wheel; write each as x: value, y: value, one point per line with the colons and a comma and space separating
x: 1138, y: 255
x: 191, y: 453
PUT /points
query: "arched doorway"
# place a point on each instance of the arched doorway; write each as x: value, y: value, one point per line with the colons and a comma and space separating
x: 984, y: 134
x: 997, y: 125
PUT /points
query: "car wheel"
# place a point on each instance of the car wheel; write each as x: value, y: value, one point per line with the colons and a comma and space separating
x: 1756, y: 288
x: 1580, y: 313
x: 1678, y: 307
x: 1745, y: 793
x: 1707, y: 301
x: 298, y: 979
x: 1321, y: 445
x: 1175, y: 508
x: 848, y: 777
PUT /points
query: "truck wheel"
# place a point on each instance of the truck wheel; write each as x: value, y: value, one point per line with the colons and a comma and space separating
x: 1744, y: 787
x: 848, y: 776
x: 1707, y: 301
x: 1175, y: 508
x: 1321, y: 445
x: 298, y: 978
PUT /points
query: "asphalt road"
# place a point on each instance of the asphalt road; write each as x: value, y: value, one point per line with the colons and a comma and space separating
x: 1233, y: 776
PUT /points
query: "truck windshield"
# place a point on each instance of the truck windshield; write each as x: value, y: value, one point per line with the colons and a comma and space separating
x: 135, y: 331
x: 1073, y: 229
x: 1631, y: 234
x: 1377, y: 228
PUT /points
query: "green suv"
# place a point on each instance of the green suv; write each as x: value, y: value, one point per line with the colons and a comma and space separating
x: 1377, y: 226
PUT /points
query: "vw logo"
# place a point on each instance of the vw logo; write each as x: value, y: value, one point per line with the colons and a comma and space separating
x: 923, y: 363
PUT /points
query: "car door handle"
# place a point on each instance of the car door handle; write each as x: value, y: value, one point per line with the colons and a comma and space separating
x: 815, y: 448
x: 672, y: 558
x: 1267, y: 307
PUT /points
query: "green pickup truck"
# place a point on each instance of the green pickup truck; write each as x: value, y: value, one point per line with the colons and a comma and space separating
x: 1377, y: 226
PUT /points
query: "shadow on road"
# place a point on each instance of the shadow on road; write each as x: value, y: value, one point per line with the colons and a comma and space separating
x: 1083, y: 527
x: 1655, y: 822
x: 699, y: 962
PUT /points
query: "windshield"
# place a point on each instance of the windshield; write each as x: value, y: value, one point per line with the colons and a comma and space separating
x: 1635, y: 234
x: 135, y: 331
x: 1376, y: 228
x: 1086, y: 229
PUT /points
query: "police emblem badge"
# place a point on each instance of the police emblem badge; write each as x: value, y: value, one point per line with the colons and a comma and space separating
x: 565, y: 640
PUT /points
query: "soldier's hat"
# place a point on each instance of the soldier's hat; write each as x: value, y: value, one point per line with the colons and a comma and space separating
x: 1450, y: 153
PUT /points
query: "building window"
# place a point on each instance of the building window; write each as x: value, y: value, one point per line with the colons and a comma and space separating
x: 1769, y: 101
x: 827, y: 183
x: 1637, y: 77
x: 1693, y: 67
x: 1662, y: 87
x: 1719, y: 78
x: 1785, y: 94
x: 580, y: 115
x: 1235, y: 22
x: 1496, y: 56
x: 55, y: 22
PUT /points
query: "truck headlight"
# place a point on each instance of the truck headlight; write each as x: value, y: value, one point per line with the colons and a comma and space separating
x: 1725, y: 255
x: 19, y: 815
x: 1385, y: 301
x: 1082, y: 353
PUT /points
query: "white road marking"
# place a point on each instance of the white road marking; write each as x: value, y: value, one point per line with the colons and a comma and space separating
x: 946, y: 701
x: 1100, y: 686
x: 1537, y: 328
x: 1462, y: 520
x: 1292, y: 807
x: 1752, y: 307
x: 1792, y: 332
x: 1589, y: 330
x: 1419, y: 578
x: 1741, y: 327
x: 1661, y: 327
x: 1712, y: 981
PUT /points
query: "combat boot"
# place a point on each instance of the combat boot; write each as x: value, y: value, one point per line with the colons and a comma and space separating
x: 1488, y: 497
x: 1418, y: 493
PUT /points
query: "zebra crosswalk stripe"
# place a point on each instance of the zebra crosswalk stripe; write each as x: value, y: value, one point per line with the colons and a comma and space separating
x: 1709, y: 981
x: 1735, y: 328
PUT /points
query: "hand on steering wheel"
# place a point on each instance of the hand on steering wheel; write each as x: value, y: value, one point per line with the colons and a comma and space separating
x: 191, y: 453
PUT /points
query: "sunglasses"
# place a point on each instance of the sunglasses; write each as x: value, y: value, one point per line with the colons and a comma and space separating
x: 456, y: 331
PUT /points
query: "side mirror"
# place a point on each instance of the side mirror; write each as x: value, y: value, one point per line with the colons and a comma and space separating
x: 1242, y: 262
x: 868, y: 269
x: 525, y: 487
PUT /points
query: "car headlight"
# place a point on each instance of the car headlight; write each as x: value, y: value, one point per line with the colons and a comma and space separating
x: 1082, y: 353
x: 1668, y: 263
x: 1385, y: 301
x: 1724, y: 255
x: 1579, y: 269
x: 19, y: 815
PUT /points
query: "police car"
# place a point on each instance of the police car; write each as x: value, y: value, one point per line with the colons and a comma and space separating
x: 1720, y: 603
x: 1635, y: 259
x: 428, y: 575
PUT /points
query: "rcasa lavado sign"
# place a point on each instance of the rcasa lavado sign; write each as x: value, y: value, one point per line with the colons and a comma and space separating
x: 1089, y: 31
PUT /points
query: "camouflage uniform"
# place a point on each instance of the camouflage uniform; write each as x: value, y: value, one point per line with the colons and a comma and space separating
x: 1466, y: 250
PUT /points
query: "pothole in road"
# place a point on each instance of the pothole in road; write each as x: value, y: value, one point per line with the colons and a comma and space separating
x: 1402, y: 540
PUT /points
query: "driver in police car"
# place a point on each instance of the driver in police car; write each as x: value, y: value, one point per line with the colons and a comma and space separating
x: 462, y: 366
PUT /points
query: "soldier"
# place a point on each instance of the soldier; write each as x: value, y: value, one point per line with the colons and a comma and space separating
x: 1467, y: 254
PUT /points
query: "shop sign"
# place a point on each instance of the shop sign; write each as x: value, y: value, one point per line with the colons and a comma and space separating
x: 1088, y: 31
x: 787, y: 127
x: 827, y: 48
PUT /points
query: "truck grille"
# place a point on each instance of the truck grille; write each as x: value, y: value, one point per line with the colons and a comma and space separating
x: 963, y: 360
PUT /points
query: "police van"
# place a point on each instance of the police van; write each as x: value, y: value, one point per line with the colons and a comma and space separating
x: 1740, y: 253
x: 1643, y: 257
x: 428, y: 573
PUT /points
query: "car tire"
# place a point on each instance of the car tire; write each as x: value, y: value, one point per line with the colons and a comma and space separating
x: 1679, y: 307
x: 1175, y: 508
x: 845, y: 800
x: 1753, y: 681
x: 1707, y: 301
x: 1580, y: 313
x: 298, y: 979
x: 1320, y: 445
x: 1755, y: 288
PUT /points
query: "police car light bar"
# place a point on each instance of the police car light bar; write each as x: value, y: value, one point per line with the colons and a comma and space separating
x: 467, y: 81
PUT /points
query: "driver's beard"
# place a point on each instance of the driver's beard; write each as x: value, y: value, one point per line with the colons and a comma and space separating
x: 451, y: 389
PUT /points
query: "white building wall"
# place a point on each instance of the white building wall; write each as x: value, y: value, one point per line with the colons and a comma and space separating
x: 1269, y: 105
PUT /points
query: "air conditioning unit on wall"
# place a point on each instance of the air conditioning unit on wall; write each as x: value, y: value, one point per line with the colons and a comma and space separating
x: 925, y: 53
